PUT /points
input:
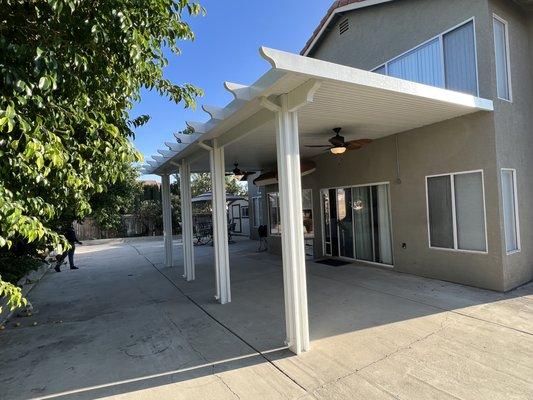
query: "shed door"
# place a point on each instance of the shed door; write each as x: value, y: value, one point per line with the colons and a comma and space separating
x: 236, y: 217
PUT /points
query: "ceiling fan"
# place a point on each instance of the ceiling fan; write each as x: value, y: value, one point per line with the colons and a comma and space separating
x: 338, y: 145
x: 239, y: 174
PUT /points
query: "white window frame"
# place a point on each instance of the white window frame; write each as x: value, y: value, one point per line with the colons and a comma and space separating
x: 454, y: 211
x: 517, y: 224
x: 508, y: 54
x: 440, y: 37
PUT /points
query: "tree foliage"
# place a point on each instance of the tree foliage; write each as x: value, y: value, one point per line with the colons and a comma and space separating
x: 117, y: 199
x: 201, y: 183
x: 70, y: 71
x: 150, y: 214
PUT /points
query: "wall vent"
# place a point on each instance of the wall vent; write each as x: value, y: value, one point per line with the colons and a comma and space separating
x: 344, y: 26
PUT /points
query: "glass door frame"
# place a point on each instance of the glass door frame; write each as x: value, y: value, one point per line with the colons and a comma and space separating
x: 322, y: 222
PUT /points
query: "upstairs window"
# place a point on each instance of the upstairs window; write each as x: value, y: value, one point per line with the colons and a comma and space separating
x: 460, y: 65
x: 422, y: 65
x: 446, y: 61
x: 501, y: 49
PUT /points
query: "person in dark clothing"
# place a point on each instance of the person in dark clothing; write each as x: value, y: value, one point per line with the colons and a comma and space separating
x: 70, y: 235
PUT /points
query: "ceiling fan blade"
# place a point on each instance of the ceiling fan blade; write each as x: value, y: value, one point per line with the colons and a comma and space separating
x: 362, y: 142
x: 325, y: 145
x: 357, y: 144
x: 246, y: 175
x: 353, y: 146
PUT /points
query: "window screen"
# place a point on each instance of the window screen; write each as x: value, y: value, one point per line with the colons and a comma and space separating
x: 422, y: 65
x: 440, y: 212
x: 469, y: 211
x: 460, y: 59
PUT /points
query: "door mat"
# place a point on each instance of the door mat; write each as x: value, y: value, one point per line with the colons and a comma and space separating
x: 333, y: 262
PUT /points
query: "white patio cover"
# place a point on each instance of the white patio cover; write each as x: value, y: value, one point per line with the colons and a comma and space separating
x: 364, y: 104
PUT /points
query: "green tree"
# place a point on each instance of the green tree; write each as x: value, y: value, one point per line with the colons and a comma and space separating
x: 118, y: 199
x: 201, y: 183
x: 70, y: 71
x: 150, y: 214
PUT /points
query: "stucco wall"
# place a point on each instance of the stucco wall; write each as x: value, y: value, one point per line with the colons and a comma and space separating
x: 487, y: 141
x: 514, y: 133
x: 501, y: 139
x: 461, y: 144
x: 382, y: 32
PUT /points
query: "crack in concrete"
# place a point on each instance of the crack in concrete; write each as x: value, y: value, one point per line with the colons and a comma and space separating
x: 225, y: 384
x: 386, y: 356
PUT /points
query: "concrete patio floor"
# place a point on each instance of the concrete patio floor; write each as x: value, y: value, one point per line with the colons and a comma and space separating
x: 124, y: 326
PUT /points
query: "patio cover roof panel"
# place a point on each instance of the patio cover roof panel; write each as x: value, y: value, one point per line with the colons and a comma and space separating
x: 365, y: 104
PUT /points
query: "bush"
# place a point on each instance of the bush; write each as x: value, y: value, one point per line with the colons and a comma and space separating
x: 13, y: 267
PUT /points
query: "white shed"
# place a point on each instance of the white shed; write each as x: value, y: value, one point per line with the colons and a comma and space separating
x: 238, y: 214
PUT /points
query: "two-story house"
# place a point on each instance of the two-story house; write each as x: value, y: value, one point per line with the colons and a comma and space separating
x: 451, y: 200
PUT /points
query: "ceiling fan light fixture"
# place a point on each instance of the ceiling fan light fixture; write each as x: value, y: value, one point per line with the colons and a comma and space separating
x: 338, y: 150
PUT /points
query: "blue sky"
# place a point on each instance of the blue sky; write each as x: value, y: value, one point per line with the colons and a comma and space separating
x: 225, y: 49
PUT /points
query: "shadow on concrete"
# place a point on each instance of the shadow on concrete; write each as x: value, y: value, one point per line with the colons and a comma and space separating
x: 124, y: 323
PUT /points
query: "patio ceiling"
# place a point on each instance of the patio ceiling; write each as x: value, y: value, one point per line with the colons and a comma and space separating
x: 364, y: 104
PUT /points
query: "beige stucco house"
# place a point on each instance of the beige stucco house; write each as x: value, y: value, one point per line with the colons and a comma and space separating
x: 428, y: 171
x: 449, y: 200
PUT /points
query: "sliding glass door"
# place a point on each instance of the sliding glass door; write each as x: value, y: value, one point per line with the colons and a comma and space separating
x: 357, y: 223
x: 345, y: 223
x: 326, y: 226
x: 364, y: 243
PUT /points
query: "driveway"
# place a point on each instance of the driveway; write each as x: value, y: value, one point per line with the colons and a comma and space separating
x: 125, y: 327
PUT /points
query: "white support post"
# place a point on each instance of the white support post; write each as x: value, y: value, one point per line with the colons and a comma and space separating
x: 186, y: 221
x: 290, y: 192
x: 220, y: 224
x: 167, y: 218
